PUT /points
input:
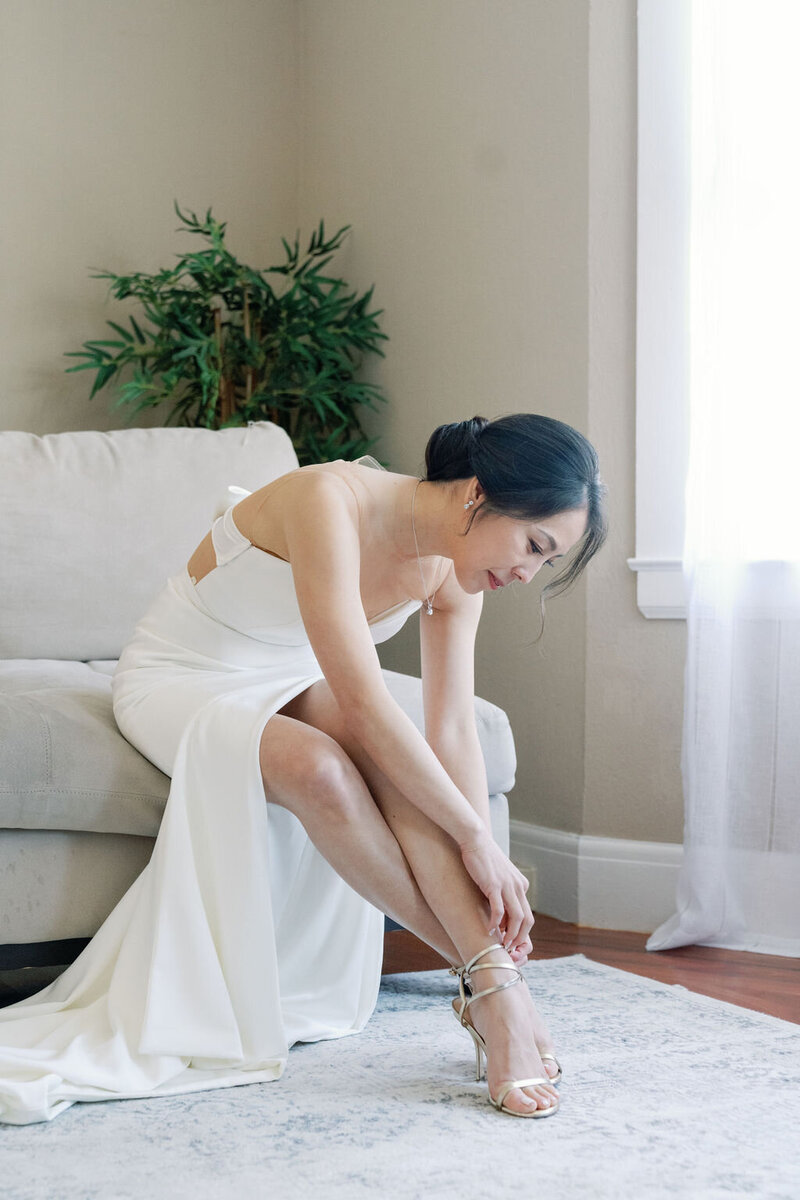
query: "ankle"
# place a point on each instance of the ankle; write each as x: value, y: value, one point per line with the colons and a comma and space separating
x: 492, y: 954
x: 495, y: 976
x: 491, y: 973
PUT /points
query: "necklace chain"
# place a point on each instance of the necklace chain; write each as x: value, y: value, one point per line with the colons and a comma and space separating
x: 428, y: 599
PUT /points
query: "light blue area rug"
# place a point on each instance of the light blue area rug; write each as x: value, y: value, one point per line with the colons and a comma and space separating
x: 665, y: 1094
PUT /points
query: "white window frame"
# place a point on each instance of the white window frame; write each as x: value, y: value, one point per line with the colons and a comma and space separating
x: 662, y: 352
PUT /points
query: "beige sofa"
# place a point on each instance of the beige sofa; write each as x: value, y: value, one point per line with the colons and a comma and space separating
x: 91, y: 524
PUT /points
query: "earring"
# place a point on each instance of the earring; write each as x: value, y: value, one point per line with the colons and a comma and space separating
x: 469, y: 504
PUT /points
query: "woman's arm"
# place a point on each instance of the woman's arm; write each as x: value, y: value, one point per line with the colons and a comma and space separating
x: 447, y: 644
x: 323, y: 542
x: 324, y: 550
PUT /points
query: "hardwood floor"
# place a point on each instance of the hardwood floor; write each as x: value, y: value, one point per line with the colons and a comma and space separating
x: 767, y: 983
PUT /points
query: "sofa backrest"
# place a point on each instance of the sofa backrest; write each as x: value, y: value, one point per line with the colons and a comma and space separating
x: 92, y: 525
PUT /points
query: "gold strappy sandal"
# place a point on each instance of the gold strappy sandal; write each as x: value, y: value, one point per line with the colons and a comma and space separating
x: 552, y: 1058
x: 464, y: 975
x: 459, y: 973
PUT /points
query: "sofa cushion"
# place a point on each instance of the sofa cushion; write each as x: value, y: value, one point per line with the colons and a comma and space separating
x: 65, y: 763
x: 494, y: 730
x: 57, y: 883
x: 66, y: 766
x: 91, y: 524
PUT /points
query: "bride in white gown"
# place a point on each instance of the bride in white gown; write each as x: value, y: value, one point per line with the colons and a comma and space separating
x: 304, y: 803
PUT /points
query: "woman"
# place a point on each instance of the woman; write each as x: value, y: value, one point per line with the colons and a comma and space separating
x: 254, y: 676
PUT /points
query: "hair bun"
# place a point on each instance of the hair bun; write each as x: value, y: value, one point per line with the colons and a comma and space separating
x: 451, y: 450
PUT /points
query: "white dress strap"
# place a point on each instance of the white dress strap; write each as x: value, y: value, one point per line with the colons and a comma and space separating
x: 228, y: 539
x: 366, y: 460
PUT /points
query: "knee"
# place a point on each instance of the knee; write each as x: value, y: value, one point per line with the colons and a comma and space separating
x: 327, y: 779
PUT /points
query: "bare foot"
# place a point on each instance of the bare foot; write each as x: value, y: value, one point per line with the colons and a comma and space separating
x: 541, y: 1034
x: 515, y: 1035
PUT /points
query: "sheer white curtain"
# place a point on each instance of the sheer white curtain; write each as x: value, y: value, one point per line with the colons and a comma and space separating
x: 740, y: 882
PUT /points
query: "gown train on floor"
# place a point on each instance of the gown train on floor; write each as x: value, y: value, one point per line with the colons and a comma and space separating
x: 238, y: 939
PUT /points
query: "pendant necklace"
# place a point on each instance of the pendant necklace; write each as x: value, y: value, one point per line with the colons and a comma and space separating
x: 428, y: 599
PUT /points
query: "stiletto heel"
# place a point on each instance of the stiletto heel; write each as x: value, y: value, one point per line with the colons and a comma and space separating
x: 464, y: 975
x: 478, y: 1064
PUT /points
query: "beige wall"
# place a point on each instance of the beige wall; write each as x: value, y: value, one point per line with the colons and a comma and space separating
x: 634, y: 667
x: 109, y: 110
x: 453, y: 136
x: 484, y: 151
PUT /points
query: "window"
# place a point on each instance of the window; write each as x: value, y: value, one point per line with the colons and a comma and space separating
x: 662, y: 305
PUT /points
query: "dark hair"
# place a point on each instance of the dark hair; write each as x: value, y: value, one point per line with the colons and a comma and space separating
x: 530, y: 467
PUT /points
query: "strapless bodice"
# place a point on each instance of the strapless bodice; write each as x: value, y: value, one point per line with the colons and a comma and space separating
x: 253, y: 592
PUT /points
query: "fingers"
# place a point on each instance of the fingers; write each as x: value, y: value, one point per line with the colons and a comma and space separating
x: 518, y: 918
x: 496, y: 910
x: 519, y: 954
x: 504, y: 888
x: 525, y: 916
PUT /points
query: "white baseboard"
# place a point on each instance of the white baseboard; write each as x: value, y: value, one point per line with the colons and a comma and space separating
x: 607, y: 883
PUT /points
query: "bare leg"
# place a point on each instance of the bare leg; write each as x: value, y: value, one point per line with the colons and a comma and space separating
x: 309, y: 773
x: 514, y: 1031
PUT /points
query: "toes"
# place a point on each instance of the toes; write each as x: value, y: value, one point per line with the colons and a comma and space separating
x: 543, y: 1097
x: 521, y: 1100
x: 551, y: 1067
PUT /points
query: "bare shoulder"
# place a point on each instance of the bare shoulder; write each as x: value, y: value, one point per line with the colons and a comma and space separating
x: 318, y: 499
x: 308, y: 502
x: 317, y: 478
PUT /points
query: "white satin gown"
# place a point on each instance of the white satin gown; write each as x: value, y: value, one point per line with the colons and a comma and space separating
x: 238, y: 939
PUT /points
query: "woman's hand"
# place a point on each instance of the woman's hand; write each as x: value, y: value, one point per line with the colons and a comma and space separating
x: 504, y: 888
x: 519, y: 954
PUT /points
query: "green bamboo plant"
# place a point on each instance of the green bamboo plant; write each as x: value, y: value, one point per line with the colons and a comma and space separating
x: 222, y: 343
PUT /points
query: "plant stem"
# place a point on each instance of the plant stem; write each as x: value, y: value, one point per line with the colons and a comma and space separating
x: 224, y: 403
x: 248, y: 375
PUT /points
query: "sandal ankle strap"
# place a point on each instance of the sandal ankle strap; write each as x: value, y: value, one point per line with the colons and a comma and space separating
x: 465, y: 968
x: 465, y: 973
x: 477, y: 957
